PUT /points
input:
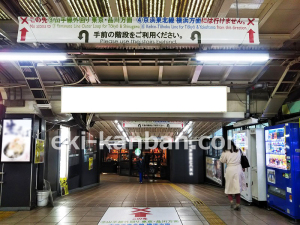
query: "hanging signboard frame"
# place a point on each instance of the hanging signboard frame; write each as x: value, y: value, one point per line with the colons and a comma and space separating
x: 138, y: 30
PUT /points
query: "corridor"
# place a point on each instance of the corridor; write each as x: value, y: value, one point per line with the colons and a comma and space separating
x: 89, y: 206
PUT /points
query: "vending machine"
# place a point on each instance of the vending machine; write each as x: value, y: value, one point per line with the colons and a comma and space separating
x: 251, y: 142
x: 283, y: 168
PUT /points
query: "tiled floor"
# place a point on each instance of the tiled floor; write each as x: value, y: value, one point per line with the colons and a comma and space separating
x: 88, y: 207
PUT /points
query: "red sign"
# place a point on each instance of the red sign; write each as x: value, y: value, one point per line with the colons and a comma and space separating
x: 23, y: 34
x: 140, y: 212
x: 251, y: 36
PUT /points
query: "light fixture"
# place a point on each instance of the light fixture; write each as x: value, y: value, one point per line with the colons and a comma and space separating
x: 183, y: 130
x: 120, y: 128
x: 191, y: 161
x: 32, y: 56
x: 178, y: 136
x: 246, y: 6
x: 187, y: 126
x: 232, y: 57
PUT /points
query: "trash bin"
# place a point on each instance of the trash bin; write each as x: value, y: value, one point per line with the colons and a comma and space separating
x: 42, y: 197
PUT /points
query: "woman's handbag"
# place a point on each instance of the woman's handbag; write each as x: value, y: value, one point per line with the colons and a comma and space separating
x: 244, y: 161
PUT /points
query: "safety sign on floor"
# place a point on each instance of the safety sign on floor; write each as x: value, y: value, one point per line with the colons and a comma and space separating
x: 140, y: 216
x: 138, y: 30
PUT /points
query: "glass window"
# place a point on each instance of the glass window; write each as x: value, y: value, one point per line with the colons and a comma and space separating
x: 111, y: 155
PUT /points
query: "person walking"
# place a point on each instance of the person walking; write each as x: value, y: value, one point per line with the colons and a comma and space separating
x: 141, y: 168
x: 235, y: 181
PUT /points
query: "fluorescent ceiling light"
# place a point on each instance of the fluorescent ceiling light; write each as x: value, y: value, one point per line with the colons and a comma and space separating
x: 187, y: 126
x: 32, y: 56
x: 232, y: 57
x: 120, y: 128
x: 246, y: 6
x: 178, y: 136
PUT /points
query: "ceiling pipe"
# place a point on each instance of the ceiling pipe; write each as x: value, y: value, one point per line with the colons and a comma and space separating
x: 248, y: 90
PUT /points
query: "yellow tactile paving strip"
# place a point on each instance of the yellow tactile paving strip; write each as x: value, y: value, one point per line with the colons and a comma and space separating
x: 209, y: 215
x: 5, y: 214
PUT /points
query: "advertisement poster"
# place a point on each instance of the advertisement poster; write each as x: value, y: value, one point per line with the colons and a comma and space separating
x: 271, y: 174
x: 16, y: 140
x: 91, y: 163
x: 64, y: 186
x: 275, y: 148
x: 141, y: 216
x: 214, y: 169
x: 39, y: 156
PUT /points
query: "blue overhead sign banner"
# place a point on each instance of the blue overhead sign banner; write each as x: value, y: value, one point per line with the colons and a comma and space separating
x: 138, y: 30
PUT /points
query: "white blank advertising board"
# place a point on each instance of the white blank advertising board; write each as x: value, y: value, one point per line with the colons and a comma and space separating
x: 140, y: 216
x: 143, y: 99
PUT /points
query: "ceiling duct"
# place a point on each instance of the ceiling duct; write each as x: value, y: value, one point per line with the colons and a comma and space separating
x: 80, y: 119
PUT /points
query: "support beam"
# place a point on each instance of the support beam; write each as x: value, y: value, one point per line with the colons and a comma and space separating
x: 226, y: 74
x: 268, y: 11
x: 113, y: 7
x: 3, y: 33
x: 275, y: 37
x: 195, y: 75
x: 3, y: 93
x: 225, y: 7
x: 224, y: 117
x: 160, y: 74
x: 260, y: 72
x: 295, y: 32
x: 167, y: 10
x: 277, y: 97
x: 89, y: 120
x: 91, y: 75
x: 125, y: 74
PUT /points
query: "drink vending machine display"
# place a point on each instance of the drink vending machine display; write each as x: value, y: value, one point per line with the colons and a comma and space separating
x: 283, y: 168
x: 251, y: 142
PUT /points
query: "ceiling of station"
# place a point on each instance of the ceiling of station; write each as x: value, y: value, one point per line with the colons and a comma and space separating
x: 3, y: 15
x: 90, y: 8
x: 196, y: 130
x: 167, y: 65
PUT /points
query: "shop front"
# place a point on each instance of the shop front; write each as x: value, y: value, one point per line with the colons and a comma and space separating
x: 123, y: 161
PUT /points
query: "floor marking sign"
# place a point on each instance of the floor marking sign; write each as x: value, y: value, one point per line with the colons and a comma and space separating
x: 140, y: 216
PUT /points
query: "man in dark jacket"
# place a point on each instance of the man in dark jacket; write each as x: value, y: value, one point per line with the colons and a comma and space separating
x: 140, y: 165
